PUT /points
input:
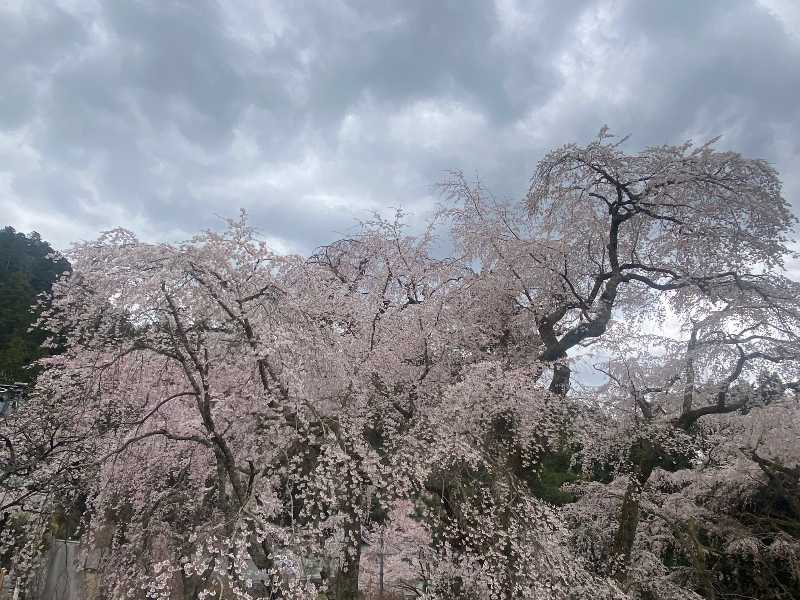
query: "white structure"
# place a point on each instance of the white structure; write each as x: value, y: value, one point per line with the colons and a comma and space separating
x: 11, y: 394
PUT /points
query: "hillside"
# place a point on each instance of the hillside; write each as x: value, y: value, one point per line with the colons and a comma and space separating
x: 27, y: 268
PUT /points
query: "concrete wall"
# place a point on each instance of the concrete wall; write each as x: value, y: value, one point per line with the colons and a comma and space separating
x: 60, y: 579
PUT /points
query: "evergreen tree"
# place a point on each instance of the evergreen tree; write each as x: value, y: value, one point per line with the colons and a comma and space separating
x: 28, y: 267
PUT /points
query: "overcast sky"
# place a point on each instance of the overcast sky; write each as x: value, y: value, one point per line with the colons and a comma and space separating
x: 162, y: 116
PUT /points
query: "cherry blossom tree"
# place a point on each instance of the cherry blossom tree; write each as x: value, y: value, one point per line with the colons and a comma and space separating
x: 226, y: 417
x: 691, y: 233
x: 603, y: 232
x: 183, y: 363
x: 397, y: 556
x: 274, y: 400
x: 681, y: 412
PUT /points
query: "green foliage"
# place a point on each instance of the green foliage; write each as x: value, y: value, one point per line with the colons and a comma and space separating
x: 26, y: 270
x: 555, y: 470
x: 767, y: 519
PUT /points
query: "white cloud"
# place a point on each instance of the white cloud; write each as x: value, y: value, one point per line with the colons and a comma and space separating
x: 787, y: 12
x: 436, y: 124
x: 158, y: 116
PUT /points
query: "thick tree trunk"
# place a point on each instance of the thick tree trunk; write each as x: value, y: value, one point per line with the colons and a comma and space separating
x: 626, y: 531
x: 699, y: 560
x: 561, y: 376
x: 645, y: 458
x: 688, y: 390
x: 260, y: 554
x: 345, y: 584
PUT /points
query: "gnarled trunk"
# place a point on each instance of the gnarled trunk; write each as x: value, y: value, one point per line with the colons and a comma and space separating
x: 561, y: 377
x: 345, y: 583
x: 645, y: 455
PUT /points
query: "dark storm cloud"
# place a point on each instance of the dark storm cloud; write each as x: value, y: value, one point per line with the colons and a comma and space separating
x: 162, y: 115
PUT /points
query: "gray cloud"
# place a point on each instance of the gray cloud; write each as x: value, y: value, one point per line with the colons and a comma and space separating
x: 161, y: 115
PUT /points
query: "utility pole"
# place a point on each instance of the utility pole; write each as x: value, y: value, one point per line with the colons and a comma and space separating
x: 380, y: 566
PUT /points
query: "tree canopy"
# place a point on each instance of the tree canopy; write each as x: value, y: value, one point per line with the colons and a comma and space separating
x: 228, y: 420
x: 28, y: 267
